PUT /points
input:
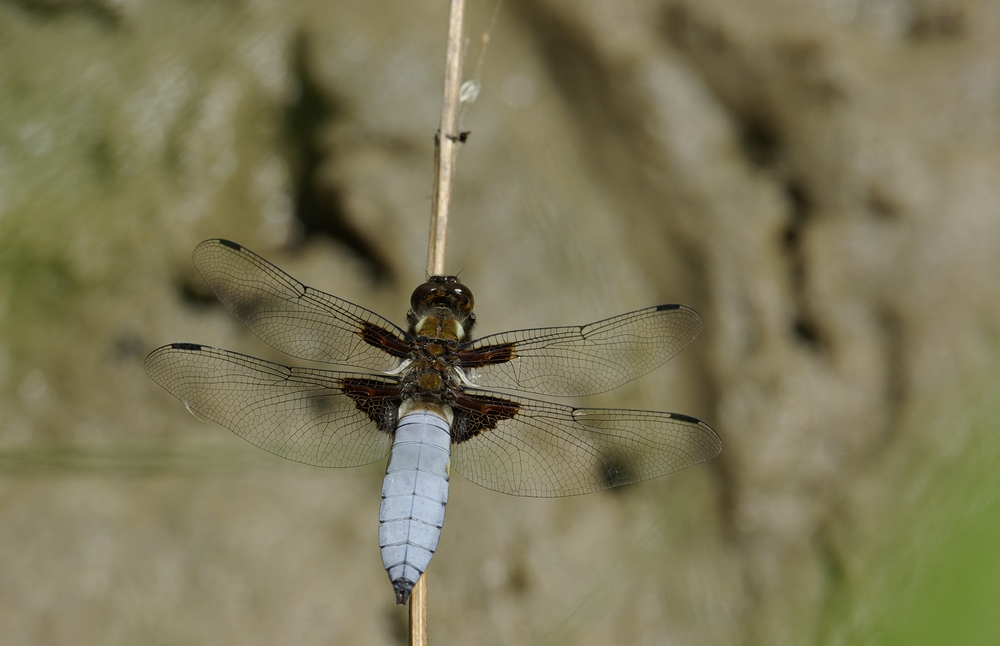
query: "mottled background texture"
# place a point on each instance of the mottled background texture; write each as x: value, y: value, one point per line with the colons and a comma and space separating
x: 820, y: 179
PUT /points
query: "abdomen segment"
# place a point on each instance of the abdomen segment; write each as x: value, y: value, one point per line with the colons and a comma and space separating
x: 414, y: 494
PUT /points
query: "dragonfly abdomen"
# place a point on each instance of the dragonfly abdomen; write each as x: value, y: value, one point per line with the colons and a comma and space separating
x: 414, y: 494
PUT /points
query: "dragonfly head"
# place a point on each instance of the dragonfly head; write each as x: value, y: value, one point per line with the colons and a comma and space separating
x: 444, y: 297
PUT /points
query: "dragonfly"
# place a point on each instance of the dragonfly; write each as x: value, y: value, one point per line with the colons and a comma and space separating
x: 432, y: 397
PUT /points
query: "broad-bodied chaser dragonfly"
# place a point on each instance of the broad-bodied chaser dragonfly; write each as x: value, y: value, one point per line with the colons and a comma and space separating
x: 427, y: 396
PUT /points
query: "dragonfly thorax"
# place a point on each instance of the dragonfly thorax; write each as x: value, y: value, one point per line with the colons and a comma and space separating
x: 441, y: 325
x: 430, y: 379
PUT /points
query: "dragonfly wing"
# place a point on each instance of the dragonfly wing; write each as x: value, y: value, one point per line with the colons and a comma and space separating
x: 318, y: 417
x: 526, y: 447
x: 585, y: 360
x: 296, y: 319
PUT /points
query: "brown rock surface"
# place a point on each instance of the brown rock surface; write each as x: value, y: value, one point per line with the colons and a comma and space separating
x: 819, y: 178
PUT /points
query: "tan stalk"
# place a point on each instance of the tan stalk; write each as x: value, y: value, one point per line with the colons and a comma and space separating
x: 446, y: 142
x: 445, y: 146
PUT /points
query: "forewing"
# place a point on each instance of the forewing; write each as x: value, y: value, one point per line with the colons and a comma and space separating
x: 526, y: 447
x: 577, y: 361
x: 318, y: 417
x: 298, y: 320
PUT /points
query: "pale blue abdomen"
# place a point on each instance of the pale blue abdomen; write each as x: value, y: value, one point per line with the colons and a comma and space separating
x: 414, y: 494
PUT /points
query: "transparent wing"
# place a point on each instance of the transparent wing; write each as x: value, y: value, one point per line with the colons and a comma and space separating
x: 526, y: 447
x: 319, y: 417
x: 298, y: 320
x: 577, y: 361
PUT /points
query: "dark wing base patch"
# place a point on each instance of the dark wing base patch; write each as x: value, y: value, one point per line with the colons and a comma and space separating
x: 376, y: 400
x: 475, y: 414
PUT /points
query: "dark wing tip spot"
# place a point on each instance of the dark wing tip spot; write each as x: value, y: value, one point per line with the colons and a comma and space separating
x: 667, y: 306
x: 230, y: 244
x: 709, y: 433
x: 685, y: 418
x: 194, y: 347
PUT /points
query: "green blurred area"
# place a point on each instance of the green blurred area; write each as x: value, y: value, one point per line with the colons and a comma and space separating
x: 927, y: 569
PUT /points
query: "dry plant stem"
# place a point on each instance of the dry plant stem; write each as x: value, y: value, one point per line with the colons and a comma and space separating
x: 418, y: 612
x: 445, y: 146
x: 446, y: 142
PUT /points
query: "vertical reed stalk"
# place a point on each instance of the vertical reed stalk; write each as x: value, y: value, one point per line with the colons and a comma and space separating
x: 445, y: 146
x: 446, y: 142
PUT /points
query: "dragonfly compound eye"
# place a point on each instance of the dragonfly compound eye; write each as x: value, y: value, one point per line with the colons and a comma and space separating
x: 442, y: 291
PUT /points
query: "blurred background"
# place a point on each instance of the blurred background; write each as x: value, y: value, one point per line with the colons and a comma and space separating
x: 820, y: 179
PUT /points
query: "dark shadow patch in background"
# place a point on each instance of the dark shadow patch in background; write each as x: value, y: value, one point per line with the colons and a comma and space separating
x: 883, y: 207
x: 195, y: 292
x: 761, y: 142
x: 684, y: 32
x: 800, y: 207
x: 804, y: 328
x: 319, y: 207
x: 934, y: 22
x: 593, y: 91
x: 617, y: 472
x: 54, y: 9
x: 896, y: 391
